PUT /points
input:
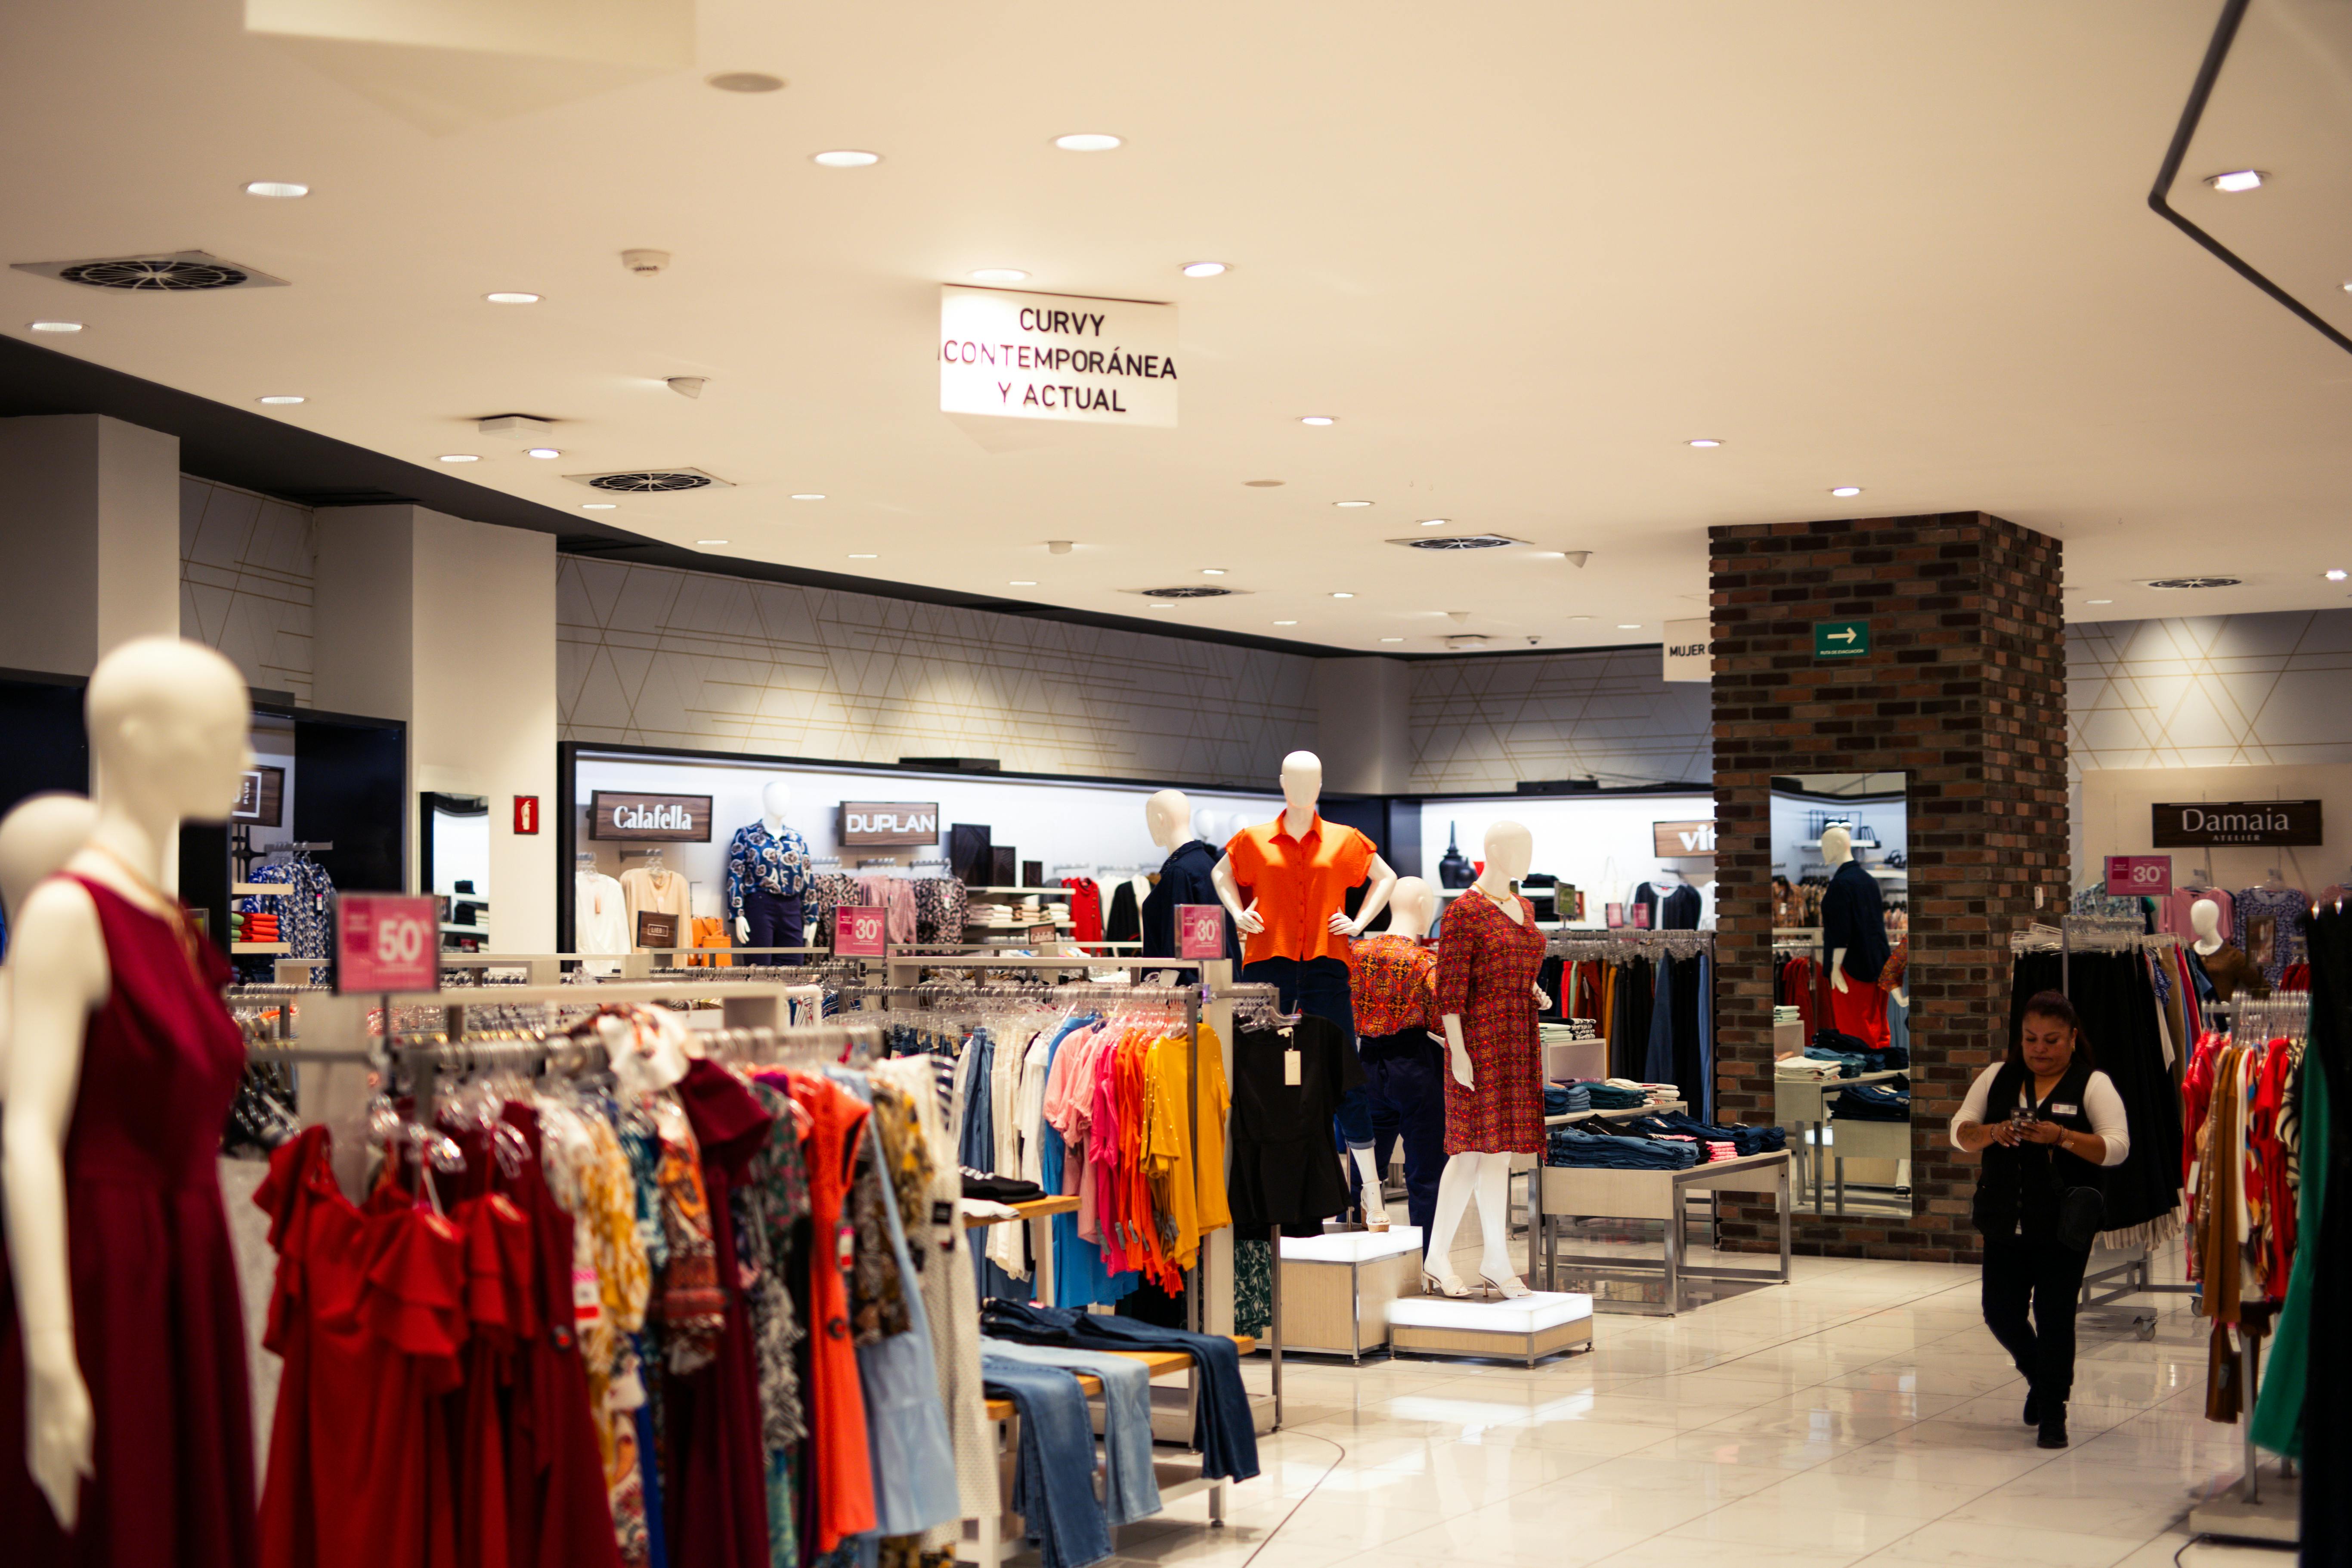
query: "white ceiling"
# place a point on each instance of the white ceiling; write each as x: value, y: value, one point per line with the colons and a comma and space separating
x: 1522, y: 250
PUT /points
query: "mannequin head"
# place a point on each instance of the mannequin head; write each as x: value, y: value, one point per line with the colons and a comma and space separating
x: 2205, y: 919
x: 37, y: 839
x: 1302, y: 780
x: 1837, y: 845
x: 1168, y: 817
x: 167, y: 724
x: 1412, y: 903
x: 1511, y: 850
x: 774, y: 796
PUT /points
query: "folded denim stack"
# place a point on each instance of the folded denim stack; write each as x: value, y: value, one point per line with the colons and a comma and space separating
x: 1743, y: 1140
x: 1133, y: 1490
x: 1615, y: 1095
x: 1574, y: 1146
x: 1053, y: 1479
x: 1565, y: 1098
x: 1871, y: 1102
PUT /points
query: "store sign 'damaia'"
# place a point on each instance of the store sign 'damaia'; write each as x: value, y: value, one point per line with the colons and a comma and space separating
x: 1056, y: 356
x: 663, y: 818
x: 2272, y: 823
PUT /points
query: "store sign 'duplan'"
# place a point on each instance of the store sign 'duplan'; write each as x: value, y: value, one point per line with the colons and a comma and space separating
x: 1056, y: 356
x: 666, y: 818
x: 879, y: 822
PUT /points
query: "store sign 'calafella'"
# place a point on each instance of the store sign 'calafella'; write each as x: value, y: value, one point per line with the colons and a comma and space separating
x: 1056, y: 356
x: 671, y: 818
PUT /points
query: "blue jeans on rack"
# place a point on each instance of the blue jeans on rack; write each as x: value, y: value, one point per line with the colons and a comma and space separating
x: 1054, y: 1487
x: 1134, y: 1491
x: 1319, y: 986
x: 1221, y: 1427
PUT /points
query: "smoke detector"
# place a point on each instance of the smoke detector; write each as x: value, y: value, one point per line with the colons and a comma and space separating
x: 1456, y: 541
x: 645, y: 263
x: 517, y: 428
x: 1189, y: 590
x: 176, y: 272
x: 2195, y: 582
x: 652, y: 481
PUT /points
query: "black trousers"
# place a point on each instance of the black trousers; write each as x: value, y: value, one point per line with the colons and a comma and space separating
x: 1404, y: 1080
x: 2047, y: 1278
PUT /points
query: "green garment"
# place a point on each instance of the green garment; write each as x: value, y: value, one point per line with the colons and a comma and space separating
x: 2278, y: 1412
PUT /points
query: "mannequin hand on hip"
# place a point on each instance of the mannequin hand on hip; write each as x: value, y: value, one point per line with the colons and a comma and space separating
x: 57, y: 1422
x: 1342, y: 926
x: 742, y: 931
x: 1249, y: 922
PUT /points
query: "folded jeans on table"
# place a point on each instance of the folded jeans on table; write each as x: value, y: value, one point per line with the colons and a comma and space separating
x: 1134, y: 1489
x: 1054, y: 1481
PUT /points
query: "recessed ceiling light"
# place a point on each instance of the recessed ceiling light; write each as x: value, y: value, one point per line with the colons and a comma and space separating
x: 1316, y: 419
x: 864, y: 557
x: 1629, y: 626
x: 999, y: 274
x: 1703, y: 441
x: 1847, y: 491
x: 510, y: 298
x: 1351, y: 503
x: 1022, y: 583
x: 461, y: 456
x: 1263, y: 484
x: 543, y: 452
x: 279, y: 397
x: 2336, y: 574
x: 810, y: 495
x: 1203, y: 269
x: 53, y: 326
x: 1343, y: 596
x: 710, y: 542
x: 745, y: 82
x: 1213, y: 570
x: 2236, y: 180
x: 2098, y: 600
x: 284, y: 190
x: 1435, y: 521
x: 847, y: 158
x: 1086, y: 142
x: 1286, y: 623
x: 598, y: 505
x: 1580, y: 617
x: 1163, y: 606
x: 1392, y: 639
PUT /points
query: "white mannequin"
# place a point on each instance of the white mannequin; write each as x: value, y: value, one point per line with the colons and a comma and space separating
x: 37, y: 839
x: 1411, y: 905
x: 1302, y: 786
x: 167, y: 725
x: 1510, y: 849
x: 774, y: 796
x: 1167, y: 815
x: 2205, y: 919
x: 1837, y: 848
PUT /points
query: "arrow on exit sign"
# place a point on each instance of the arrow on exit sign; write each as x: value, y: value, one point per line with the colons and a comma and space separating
x: 1840, y: 639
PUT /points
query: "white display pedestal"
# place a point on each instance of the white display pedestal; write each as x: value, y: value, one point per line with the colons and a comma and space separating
x: 1589, y: 1191
x: 1337, y: 1288
x: 1526, y: 1328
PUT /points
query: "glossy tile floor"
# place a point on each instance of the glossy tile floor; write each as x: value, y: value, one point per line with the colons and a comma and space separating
x: 1861, y: 1414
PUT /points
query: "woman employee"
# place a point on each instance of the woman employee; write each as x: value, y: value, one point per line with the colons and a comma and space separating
x: 2047, y: 1120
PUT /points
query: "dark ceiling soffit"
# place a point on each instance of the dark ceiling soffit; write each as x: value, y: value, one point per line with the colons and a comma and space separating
x: 257, y: 452
x: 2225, y: 33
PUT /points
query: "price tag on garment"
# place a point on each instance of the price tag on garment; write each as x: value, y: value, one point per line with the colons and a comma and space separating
x: 1200, y: 932
x: 587, y: 1303
x: 2139, y: 875
x: 858, y: 932
x: 1290, y: 1067
x: 385, y: 941
x: 1616, y: 914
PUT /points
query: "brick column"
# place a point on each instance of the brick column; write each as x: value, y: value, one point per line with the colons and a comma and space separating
x: 1964, y: 690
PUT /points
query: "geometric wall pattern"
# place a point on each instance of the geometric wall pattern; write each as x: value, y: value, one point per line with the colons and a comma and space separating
x: 247, y: 566
x: 692, y: 661
x: 2210, y: 690
x: 1483, y: 724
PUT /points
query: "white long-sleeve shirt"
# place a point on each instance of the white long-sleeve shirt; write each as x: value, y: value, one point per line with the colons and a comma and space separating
x: 2101, y: 1104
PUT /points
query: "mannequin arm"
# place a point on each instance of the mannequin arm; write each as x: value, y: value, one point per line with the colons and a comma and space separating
x: 58, y: 972
x: 1229, y: 893
x: 1382, y: 882
x: 1837, y: 969
x: 1457, y: 1050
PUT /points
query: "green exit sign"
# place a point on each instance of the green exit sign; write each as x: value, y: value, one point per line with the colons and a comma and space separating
x: 1840, y: 639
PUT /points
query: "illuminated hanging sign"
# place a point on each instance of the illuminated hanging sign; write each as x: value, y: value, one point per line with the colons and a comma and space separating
x: 1056, y: 356
x: 662, y: 818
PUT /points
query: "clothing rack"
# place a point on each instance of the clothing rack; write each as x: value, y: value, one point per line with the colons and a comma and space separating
x: 1624, y: 946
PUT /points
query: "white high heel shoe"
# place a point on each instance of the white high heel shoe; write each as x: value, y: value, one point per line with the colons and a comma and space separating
x: 1443, y: 1285
x: 1510, y: 1287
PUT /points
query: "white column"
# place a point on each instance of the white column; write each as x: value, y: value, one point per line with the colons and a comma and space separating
x: 1363, y: 731
x: 89, y: 539
x: 451, y: 626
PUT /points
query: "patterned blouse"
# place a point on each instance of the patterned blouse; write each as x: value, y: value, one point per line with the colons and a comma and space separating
x: 775, y: 863
x: 1393, y: 981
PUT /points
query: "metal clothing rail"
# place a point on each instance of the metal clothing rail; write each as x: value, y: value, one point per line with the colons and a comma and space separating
x: 1624, y: 946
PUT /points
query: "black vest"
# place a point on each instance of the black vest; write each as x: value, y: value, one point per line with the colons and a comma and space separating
x: 2019, y: 1189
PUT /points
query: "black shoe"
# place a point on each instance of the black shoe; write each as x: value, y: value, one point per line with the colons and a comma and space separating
x: 2032, y: 1408
x: 2054, y: 1426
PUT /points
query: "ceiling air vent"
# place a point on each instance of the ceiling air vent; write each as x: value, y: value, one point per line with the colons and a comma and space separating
x: 1458, y: 541
x: 179, y: 272
x: 1466, y: 642
x: 2196, y: 581
x: 652, y: 481
x: 1190, y: 591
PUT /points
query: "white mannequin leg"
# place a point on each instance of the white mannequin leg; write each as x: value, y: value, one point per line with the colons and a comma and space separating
x: 1493, y: 1191
x: 1454, y: 1190
x: 1376, y: 1208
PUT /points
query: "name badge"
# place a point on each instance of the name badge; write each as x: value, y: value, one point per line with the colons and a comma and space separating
x: 2065, y: 1110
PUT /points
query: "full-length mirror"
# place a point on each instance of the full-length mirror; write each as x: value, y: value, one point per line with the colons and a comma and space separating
x: 1841, y: 942
x: 453, y: 862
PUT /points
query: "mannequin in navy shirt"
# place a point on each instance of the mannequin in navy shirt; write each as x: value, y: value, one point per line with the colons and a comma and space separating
x: 1183, y: 877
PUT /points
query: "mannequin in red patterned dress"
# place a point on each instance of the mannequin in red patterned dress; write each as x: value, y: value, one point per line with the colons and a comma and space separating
x: 1488, y: 952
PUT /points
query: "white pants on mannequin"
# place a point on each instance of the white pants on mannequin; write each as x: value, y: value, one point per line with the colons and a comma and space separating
x: 1488, y: 1179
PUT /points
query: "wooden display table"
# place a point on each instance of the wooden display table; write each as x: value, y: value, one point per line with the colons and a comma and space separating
x: 1589, y: 1191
